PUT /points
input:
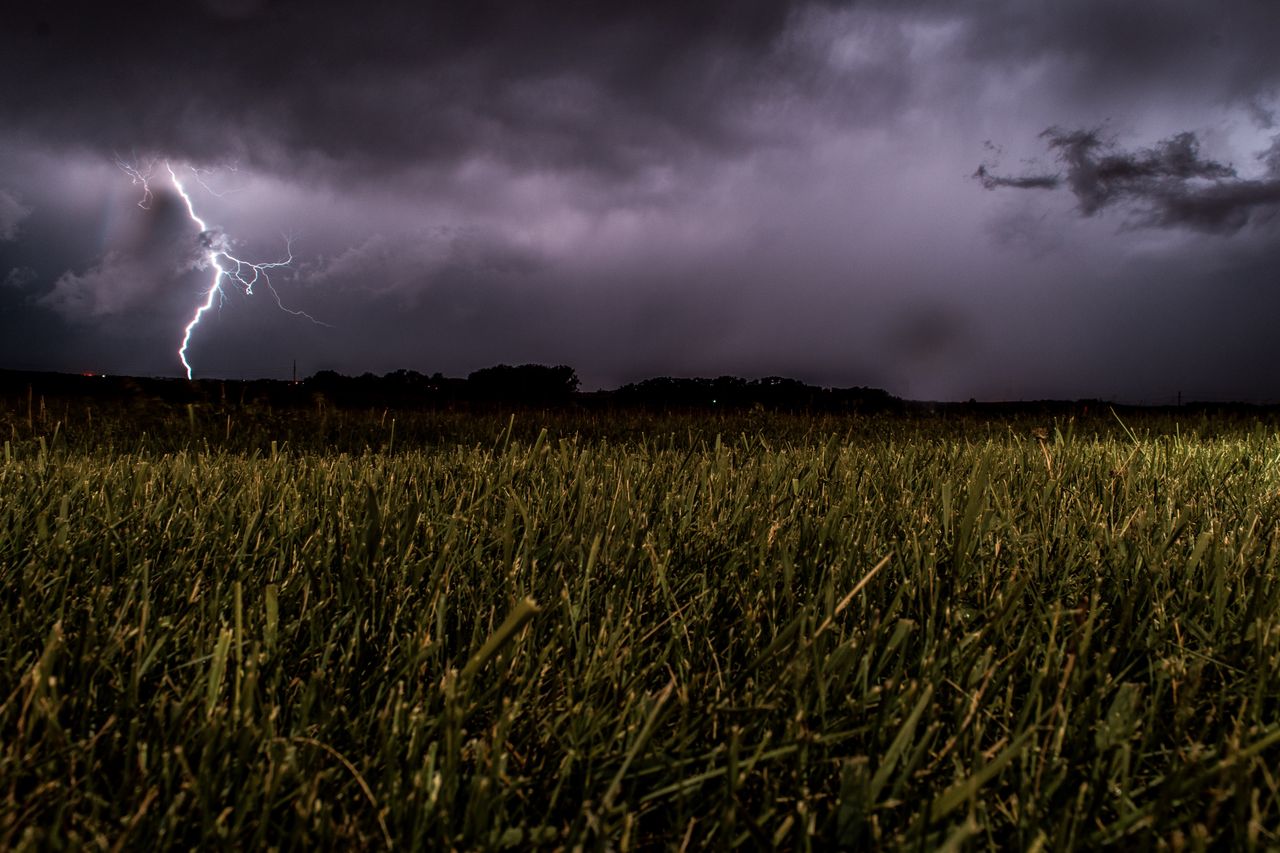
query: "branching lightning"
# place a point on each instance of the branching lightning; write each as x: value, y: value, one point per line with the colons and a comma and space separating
x: 215, y: 253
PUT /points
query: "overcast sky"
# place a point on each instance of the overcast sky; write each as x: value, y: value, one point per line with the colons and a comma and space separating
x: 1003, y: 199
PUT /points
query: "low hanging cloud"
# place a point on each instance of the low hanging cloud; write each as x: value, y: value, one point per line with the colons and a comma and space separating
x: 120, y: 284
x: 140, y: 274
x: 1169, y: 185
x: 408, y: 263
x: 20, y: 277
x: 12, y: 212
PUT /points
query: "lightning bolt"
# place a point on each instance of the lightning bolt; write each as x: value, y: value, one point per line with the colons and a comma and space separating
x: 216, y: 254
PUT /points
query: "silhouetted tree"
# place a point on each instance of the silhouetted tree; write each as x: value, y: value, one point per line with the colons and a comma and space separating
x: 525, y: 383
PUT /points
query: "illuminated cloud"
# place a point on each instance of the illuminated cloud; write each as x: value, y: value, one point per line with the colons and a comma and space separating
x: 12, y: 212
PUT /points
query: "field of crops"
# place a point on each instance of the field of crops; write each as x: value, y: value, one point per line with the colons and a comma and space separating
x: 290, y: 630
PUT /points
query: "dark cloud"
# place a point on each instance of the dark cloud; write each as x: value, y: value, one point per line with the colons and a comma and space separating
x: 926, y: 332
x: 1171, y: 184
x: 605, y: 87
x: 992, y: 181
x: 1102, y: 52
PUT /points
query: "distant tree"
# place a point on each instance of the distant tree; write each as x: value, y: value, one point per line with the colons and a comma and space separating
x: 778, y: 392
x: 525, y: 383
x: 326, y: 377
x: 403, y: 377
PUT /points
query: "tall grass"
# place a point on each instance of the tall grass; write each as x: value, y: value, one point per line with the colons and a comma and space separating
x: 871, y: 632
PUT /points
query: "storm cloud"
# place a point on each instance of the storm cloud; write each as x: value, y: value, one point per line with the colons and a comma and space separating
x: 1171, y: 184
x: 603, y: 88
x: 644, y: 188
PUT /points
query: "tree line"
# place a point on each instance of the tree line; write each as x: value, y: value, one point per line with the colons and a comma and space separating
x: 526, y: 385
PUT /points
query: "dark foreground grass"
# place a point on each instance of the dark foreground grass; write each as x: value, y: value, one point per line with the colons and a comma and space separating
x: 912, y: 633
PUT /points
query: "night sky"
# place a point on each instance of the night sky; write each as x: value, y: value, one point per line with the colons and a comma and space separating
x: 1003, y: 199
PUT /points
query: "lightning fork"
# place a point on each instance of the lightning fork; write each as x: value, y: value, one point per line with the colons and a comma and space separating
x: 216, y: 249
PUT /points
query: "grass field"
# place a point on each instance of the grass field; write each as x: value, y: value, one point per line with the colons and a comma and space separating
x: 379, y: 630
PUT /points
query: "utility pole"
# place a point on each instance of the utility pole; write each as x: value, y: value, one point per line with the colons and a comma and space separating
x: 295, y: 374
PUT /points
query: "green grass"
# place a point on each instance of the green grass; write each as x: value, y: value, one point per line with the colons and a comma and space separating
x: 635, y: 633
